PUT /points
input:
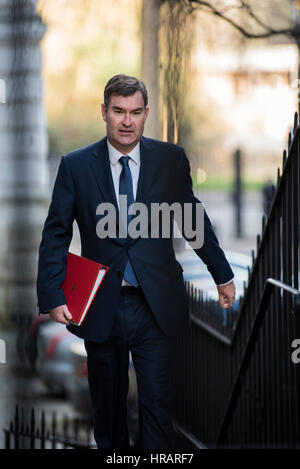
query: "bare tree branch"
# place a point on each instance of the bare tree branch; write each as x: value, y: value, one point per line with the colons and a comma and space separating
x: 211, y: 9
x: 252, y: 15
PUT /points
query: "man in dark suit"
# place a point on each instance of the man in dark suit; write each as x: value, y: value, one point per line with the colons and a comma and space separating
x: 142, y: 304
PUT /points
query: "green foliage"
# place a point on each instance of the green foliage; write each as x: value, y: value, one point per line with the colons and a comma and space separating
x: 226, y: 185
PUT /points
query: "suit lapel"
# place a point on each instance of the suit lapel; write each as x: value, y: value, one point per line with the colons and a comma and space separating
x: 100, y: 166
x: 146, y: 176
x: 146, y: 169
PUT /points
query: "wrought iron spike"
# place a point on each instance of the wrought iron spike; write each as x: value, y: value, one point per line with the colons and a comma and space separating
x: 43, y: 423
x: 273, y: 188
x: 295, y: 121
x: 257, y: 240
x: 22, y: 419
x: 263, y: 223
x: 54, y: 423
x: 65, y: 424
x: 17, y: 417
x: 283, y: 159
x: 32, y: 416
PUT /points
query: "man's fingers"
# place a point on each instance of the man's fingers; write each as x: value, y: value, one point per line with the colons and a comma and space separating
x: 67, y: 313
x: 63, y: 320
x: 226, y: 301
x: 61, y: 314
x: 226, y: 295
x: 60, y: 317
x: 63, y: 317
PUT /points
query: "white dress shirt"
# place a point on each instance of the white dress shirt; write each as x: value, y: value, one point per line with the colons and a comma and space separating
x: 116, y: 168
x: 134, y: 165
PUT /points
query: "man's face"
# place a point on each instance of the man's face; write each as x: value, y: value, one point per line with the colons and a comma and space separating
x: 125, y: 119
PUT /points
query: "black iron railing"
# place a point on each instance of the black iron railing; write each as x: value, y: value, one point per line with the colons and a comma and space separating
x: 237, y: 385
x: 242, y: 391
x: 27, y: 432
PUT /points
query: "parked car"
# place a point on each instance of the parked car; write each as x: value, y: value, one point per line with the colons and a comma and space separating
x: 54, y: 357
x: 195, y: 272
x: 26, y: 343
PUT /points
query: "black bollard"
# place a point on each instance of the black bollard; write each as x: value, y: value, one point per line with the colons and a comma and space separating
x: 237, y: 193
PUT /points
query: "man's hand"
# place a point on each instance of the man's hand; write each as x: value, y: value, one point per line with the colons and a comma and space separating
x: 226, y: 295
x: 61, y: 314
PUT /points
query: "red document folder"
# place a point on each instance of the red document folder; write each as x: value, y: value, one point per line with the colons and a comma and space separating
x: 82, y: 281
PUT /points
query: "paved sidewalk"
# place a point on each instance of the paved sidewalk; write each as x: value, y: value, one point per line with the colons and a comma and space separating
x: 221, y: 212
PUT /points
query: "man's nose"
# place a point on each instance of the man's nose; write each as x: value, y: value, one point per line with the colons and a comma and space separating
x: 127, y: 119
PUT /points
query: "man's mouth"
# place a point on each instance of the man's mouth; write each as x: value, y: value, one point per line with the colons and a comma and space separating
x: 122, y: 131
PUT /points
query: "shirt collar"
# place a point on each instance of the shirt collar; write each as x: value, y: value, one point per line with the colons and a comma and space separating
x: 115, y: 155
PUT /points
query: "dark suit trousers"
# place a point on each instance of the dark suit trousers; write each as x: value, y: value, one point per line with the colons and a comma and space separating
x: 135, y: 329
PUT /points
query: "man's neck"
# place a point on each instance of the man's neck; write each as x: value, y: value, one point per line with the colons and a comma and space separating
x: 124, y: 150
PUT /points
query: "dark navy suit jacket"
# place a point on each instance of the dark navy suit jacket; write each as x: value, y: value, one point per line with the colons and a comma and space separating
x: 83, y: 181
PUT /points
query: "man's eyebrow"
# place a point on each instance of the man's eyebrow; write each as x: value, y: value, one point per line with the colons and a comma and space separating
x: 118, y: 108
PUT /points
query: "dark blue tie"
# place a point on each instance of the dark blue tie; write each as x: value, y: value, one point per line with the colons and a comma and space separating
x: 126, y: 188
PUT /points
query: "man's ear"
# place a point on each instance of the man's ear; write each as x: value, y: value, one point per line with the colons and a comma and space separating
x: 103, y: 111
